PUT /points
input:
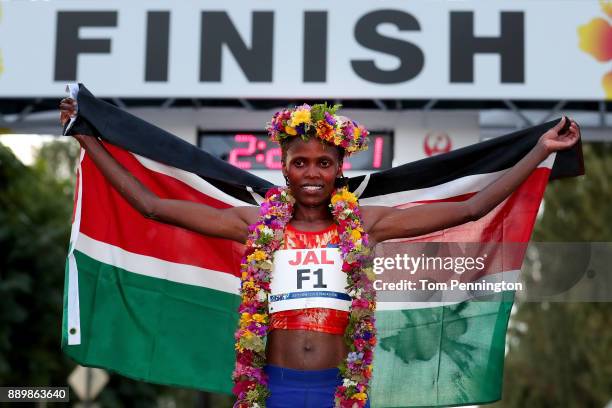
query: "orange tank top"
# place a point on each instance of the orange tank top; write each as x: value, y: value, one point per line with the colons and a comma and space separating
x: 316, y: 319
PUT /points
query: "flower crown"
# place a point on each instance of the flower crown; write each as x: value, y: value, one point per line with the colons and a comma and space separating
x: 318, y: 120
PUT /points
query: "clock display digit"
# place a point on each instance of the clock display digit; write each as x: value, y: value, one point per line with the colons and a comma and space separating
x: 237, y: 152
x: 253, y: 151
x: 377, y: 152
x: 273, y: 158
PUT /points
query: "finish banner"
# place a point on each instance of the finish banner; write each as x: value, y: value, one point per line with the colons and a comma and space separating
x: 470, y: 49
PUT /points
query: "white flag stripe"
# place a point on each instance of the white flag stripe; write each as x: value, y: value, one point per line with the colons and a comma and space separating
x: 157, y: 268
x: 192, y: 180
x: 193, y: 275
x: 73, y: 314
x: 463, y: 185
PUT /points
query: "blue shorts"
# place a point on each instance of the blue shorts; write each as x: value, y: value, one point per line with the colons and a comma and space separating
x: 296, y: 388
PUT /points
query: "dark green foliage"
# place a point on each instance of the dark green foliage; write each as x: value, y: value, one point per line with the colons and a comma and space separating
x: 35, y: 211
x: 317, y: 112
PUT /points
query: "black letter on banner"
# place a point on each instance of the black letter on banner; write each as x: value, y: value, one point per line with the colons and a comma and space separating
x: 156, y: 59
x: 68, y: 45
x: 410, y: 56
x: 510, y: 45
x: 320, y: 284
x: 301, y: 277
x: 315, y: 46
x: 217, y: 30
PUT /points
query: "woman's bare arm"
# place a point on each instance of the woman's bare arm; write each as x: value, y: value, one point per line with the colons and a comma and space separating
x: 231, y: 223
x: 383, y: 223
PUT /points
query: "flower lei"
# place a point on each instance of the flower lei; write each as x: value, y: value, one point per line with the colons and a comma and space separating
x: 321, y: 121
x: 265, y: 237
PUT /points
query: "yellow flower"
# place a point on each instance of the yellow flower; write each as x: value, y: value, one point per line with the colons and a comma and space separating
x: 258, y: 255
x: 290, y: 131
x: 245, y: 318
x: 299, y: 116
x: 252, y: 342
x: 259, y: 318
x: 355, y: 235
x: 253, y: 396
x: 360, y: 396
x: 335, y: 198
x: 348, y: 196
x: 370, y: 273
x: 248, y: 285
x: 356, y: 133
x: 344, y: 195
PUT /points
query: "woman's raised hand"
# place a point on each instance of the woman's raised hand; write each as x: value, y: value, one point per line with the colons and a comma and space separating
x: 554, y: 141
x: 67, y: 110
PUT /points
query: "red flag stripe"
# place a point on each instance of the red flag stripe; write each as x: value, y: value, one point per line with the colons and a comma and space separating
x: 510, y: 221
x: 107, y: 217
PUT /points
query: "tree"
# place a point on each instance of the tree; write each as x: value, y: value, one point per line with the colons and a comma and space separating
x: 35, y: 210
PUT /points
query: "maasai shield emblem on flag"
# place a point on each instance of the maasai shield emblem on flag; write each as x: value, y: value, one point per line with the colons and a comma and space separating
x: 159, y: 303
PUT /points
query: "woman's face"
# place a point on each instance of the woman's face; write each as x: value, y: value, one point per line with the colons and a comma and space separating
x: 312, y: 168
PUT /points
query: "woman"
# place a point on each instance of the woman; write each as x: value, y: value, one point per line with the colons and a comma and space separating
x: 301, y: 347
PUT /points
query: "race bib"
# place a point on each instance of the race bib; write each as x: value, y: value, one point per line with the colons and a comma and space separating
x: 307, y: 278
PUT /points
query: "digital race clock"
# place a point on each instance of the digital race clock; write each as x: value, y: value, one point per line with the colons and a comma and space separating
x: 254, y: 151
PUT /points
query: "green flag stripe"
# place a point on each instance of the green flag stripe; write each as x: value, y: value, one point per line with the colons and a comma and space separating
x: 157, y: 268
x: 171, y: 333
x: 447, y: 355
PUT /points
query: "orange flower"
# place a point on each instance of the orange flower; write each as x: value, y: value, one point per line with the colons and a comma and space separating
x: 325, y: 130
x: 596, y: 39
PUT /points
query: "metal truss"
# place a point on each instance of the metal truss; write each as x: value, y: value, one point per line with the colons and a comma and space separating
x: 496, y: 116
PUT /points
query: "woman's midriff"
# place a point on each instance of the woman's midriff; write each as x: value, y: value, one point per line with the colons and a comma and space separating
x: 305, y: 349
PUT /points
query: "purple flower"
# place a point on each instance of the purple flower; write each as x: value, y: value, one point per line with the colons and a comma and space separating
x: 353, y: 357
x: 259, y: 330
x: 330, y: 119
x: 301, y: 128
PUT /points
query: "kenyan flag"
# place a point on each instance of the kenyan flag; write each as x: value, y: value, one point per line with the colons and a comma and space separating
x: 159, y: 303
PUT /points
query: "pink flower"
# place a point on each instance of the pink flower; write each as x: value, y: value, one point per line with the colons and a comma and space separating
x: 360, y: 344
x: 242, y: 387
x: 360, y: 304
